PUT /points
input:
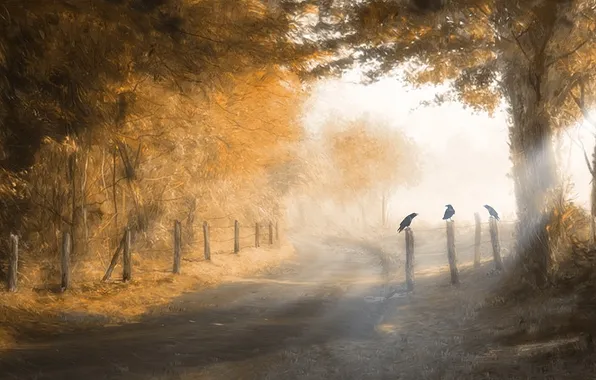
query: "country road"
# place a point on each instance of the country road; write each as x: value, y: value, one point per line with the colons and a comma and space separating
x: 321, y: 316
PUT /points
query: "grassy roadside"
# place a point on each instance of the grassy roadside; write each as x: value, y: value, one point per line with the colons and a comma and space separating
x: 93, y: 303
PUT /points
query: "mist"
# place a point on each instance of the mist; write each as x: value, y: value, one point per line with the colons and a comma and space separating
x: 464, y: 157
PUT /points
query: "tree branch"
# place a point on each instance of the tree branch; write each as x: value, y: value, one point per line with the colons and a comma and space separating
x: 569, y: 53
x: 519, y: 45
x: 580, y: 102
x: 566, y: 90
x: 580, y: 144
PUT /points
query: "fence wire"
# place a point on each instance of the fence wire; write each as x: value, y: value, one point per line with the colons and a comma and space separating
x: 462, y: 226
x: 466, y: 247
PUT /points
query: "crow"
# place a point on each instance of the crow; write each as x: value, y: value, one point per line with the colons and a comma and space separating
x: 492, y: 212
x: 406, y: 222
x: 449, y: 212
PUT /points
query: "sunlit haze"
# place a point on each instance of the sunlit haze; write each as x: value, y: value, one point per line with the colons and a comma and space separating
x: 466, y: 155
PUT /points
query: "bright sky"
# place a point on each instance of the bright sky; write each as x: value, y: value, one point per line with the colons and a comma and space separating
x: 467, y: 158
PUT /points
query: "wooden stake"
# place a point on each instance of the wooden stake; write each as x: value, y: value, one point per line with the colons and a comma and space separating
x: 477, y: 240
x: 494, y: 238
x: 409, y: 259
x: 206, y: 246
x: 451, y: 252
x: 65, y: 261
x: 177, y: 246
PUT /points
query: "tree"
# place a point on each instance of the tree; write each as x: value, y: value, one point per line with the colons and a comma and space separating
x: 125, y: 112
x: 532, y: 54
x: 368, y: 159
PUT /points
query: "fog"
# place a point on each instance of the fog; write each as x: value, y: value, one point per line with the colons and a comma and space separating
x: 465, y: 156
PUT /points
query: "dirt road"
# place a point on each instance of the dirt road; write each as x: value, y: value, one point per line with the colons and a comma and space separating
x: 238, y: 331
x: 319, y: 317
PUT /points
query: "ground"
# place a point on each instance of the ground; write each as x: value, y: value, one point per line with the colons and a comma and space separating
x: 336, y: 310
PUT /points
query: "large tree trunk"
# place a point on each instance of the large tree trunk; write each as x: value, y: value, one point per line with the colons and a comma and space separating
x: 534, y: 90
x: 534, y: 170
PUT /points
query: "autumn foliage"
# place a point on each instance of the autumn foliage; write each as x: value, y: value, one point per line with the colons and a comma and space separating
x: 369, y: 157
x: 136, y: 113
x: 354, y: 165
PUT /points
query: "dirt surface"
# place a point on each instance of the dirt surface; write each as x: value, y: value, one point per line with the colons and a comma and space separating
x: 337, y: 312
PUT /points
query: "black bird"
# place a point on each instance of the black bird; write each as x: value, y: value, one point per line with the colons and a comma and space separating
x: 406, y: 222
x: 449, y: 212
x: 492, y: 212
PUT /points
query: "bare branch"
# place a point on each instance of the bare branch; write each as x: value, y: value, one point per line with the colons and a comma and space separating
x: 580, y: 144
x: 580, y: 102
x: 569, y: 53
x: 566, y: 90
x: 519, y: 45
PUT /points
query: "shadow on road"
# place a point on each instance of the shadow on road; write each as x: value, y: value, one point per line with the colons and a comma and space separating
x: 234, y: 322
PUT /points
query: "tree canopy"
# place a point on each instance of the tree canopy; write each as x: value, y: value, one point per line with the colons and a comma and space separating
x: 136, y: 112
x: 357, y: 159
x: 468, y: 43
x: 534, y: 55
x: 370, y: 158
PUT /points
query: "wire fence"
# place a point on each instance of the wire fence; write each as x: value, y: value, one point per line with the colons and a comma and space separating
x: 463, y: 226
x: 452, y: 249
x: 466, y: 247
x: 260, y: 233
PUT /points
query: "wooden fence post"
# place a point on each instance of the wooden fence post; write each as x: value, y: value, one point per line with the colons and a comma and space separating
x: 126, y: 258
x: 451, y: 253
x: 177, y: 246
x: 409, y: 259
x: 65, y: 261
x: 206, y: 245
x: 115, y: 257
x: 270, y: 233
x: 257, y: 236
x: 13, y: 265
x: 494, y: 239
x: 478, y: 240
x: 236, y: 236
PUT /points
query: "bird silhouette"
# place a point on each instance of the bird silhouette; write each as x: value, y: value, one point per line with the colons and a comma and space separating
x: 406, y: 222
x: 449, y: 212
x: 492, y: 212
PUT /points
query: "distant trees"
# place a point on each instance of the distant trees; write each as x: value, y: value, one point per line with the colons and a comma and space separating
x: 360, y: 162
x: 370, y: 157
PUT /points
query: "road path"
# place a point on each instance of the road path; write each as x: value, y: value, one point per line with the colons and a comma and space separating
x: 316, y: 318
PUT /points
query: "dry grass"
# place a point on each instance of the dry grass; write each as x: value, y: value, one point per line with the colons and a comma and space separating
x: 470, y: 332
x: 93, y: 303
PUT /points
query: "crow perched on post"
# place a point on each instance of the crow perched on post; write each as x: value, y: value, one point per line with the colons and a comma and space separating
x: 492, y: 212
x: 449, y: 212
x: 406, y: 222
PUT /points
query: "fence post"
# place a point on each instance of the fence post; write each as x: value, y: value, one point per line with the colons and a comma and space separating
x: 114, y: 261
x: 494, y: 239
x: 409, y: 259
x: 236, y: 236
x: 206, y: 245
x: 65, y: 261
x: 177, y: 246
x: 451, y: 253
x: 13, y: 264
x: 270, y: 233
x: 477, y: 241
x: 126, y: 258
x: 257, y: 235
